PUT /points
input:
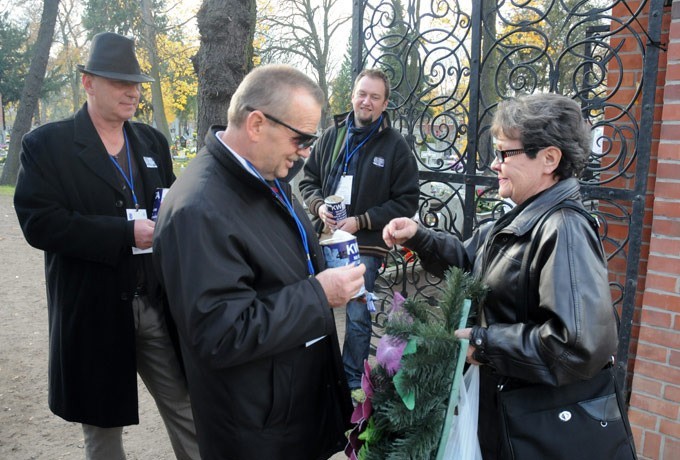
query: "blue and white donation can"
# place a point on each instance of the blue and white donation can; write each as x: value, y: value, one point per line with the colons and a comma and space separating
x: 340, y: 250
x: 335, y: 204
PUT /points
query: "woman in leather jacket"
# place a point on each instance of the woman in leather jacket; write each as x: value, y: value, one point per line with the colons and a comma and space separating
x: 569, y: 334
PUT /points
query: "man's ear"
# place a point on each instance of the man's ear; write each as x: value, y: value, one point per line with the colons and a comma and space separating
x: 254, y: 124
x: 86, y: 80
x: 551, y: 159
x: 385, y: 104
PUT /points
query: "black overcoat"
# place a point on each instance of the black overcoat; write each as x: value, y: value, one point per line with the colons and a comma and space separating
x: 71, y: 205
x: 233, y: 263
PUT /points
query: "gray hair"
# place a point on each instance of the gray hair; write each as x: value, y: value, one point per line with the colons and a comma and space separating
x: 546, y: 119
x: 268, y: 88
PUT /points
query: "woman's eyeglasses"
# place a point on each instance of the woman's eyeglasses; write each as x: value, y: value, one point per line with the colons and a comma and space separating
x: 302, y: 140
x: 501, y: 155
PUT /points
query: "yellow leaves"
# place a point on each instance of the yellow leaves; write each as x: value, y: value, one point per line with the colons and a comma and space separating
x: 178, y: 80
x: 179, y: 83
x: 258, y: 43
x: 520, y: 38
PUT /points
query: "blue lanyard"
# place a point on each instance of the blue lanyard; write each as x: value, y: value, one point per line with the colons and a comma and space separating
x: 286, y: 202
x: 348, y: 155
x: 131, y: 180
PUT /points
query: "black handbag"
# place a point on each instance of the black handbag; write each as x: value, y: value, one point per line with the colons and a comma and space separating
x: 584, y: 420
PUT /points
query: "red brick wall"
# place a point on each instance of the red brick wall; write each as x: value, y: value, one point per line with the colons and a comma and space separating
x: 655, y: 399
x: 625, y: 79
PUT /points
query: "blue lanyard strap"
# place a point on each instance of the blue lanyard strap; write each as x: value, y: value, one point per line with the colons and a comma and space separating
x: 348, y: 155
x: 131, y: 180
x: 278, y: 193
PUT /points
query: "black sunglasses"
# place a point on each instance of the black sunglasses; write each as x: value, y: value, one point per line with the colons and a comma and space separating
x: 501, y: 155
x: 303, y: 140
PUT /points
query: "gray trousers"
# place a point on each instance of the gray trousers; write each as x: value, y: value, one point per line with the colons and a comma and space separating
x: 159, y: 368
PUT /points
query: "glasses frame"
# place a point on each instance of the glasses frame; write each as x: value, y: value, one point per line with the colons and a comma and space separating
x: 303, y: 140
x: 501, y: 155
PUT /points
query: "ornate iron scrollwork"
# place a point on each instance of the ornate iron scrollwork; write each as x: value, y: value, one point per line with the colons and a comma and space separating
x: 452, y: 62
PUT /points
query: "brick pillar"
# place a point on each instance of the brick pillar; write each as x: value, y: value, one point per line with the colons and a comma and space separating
x: 655, y: 399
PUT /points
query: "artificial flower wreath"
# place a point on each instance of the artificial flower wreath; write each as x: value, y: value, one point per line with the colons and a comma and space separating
x: 418, y: 366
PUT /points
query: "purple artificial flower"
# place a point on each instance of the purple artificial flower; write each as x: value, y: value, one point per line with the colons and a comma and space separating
x: 354, y: 444
x: 390, y: 349
x: 360, y: 415
x: 388, y: 353
x: 364, y: 409
x: 397, y: 311
x: 397, y: 304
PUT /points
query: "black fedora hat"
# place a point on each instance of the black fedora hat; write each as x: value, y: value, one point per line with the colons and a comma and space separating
x: 113, y: 56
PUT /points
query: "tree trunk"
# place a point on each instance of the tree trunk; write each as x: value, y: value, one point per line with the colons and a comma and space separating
x: 37, y: 120
x: 224, y: 57
x: 149, y: 31
x: 74, y: 83
x: 326, y: 115
x: 2, y: 120
x: 486, y: 83
x: 70, y: 42
x: 31, y: 91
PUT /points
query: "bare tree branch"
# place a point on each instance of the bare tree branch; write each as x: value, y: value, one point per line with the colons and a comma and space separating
x: 301, y: 32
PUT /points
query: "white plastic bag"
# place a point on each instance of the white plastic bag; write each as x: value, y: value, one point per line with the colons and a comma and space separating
x: 462, y: 443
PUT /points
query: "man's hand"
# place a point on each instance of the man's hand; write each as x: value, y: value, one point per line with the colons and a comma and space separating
x: 399, y: 230
x: 327, y: 218
x: 349, y: 225
x: 144, y: 233
x: 342, y: 283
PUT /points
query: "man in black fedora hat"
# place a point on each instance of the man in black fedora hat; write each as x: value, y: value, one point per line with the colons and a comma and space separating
x: 84, y: 195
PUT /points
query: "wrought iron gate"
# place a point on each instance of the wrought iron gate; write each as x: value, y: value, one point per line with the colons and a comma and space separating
x: 451, y: 62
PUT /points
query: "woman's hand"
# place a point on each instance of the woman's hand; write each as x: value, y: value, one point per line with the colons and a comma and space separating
x: 399, y: 230
x: 465, y: 334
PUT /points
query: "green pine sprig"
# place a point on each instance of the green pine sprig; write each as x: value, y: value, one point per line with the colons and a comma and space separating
x: 396, y: 432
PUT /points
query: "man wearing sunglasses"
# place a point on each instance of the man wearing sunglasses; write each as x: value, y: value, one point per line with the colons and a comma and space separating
x: 367, y: 162
x: 246, y: 283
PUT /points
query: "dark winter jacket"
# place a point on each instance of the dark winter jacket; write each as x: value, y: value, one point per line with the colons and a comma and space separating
x: 70, y: 204
x: 235, y: 270
x: 385, y: 185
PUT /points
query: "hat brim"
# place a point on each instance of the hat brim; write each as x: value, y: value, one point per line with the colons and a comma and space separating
x: 117, y: 76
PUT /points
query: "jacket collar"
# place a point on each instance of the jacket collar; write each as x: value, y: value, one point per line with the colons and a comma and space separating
x: 567, y: 189
x: 224, y: 157
x: 93, y: 153
x: 213, y: 146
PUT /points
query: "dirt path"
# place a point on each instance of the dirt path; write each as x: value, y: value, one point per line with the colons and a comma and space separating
x: 28, y: 430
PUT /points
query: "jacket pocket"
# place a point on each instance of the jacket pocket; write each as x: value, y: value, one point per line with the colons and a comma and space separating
x: 281, y: 384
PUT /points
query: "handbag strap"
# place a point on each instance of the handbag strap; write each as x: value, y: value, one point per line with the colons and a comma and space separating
x: 523, y: 307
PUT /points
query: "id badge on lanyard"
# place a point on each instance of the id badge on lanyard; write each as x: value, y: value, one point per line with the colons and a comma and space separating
x: 345, y: 188
x: 136, y: 214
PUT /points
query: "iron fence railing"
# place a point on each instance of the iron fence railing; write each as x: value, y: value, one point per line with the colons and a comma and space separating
x: 451, y: 62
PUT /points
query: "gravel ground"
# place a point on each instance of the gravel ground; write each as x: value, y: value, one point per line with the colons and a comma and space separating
x: 28, y: 430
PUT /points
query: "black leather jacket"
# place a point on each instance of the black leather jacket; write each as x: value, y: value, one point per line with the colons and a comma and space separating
x: 571, y: 333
